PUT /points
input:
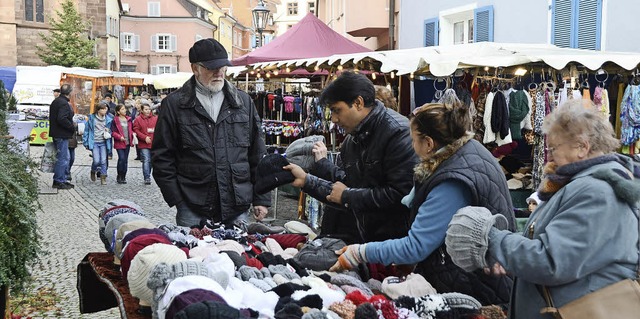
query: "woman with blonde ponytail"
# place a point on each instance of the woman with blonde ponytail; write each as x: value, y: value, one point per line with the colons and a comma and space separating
x: 455, y: 171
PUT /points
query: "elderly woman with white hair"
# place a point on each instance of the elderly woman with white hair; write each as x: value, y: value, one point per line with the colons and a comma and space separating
x: 582, y: 237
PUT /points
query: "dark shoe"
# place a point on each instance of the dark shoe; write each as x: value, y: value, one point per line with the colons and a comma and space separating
x: 124, y: 178
x: 119, y: 179
x: 93, y: 176
x: 137, y: 159
x: 103, y: 180
x: 147, y: 182
x: 69, y: 184
x: 62, y: 185
x: 69, y: 178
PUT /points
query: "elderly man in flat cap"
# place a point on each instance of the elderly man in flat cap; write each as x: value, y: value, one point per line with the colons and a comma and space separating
x: 207, y: 145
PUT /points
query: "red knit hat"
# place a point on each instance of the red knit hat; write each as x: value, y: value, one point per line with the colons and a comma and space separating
x: 288, y: 240
x: 136, y: 245
x: 253, y: 262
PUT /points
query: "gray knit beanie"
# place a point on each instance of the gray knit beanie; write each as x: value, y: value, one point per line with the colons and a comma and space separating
x: 114, y: 223
x: 300, y: 151
x: 467, y: 237
x: 459, y: 300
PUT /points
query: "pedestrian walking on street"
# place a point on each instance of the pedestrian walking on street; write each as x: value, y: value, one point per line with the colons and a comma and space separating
x: 208, y: 142
x: 122, y: 133
x: 73, y: 143
x: 97, y: 139
x: 61, y: 130
x: 144, y: 128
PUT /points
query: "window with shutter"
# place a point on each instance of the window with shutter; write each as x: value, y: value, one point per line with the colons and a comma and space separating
x: 136, y: 43
x: 431, y: 32
x: 154, y: 43
x: 483, y: 24
x: 588, y: 33
x: 153, y: 9
x: 562, y: 23
x: 174, y: 43
x: 576, y: 23
x: 253, y: 41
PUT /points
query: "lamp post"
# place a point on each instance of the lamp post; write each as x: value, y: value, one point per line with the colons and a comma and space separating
x: 260, y: 16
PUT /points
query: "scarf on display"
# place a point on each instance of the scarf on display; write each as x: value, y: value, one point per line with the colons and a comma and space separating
x: 518, y: 109
x: 427, y: 166
x: 557, y: 177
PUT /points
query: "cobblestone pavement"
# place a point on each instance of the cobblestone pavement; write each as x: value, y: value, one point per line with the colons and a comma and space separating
x: 68, y: 222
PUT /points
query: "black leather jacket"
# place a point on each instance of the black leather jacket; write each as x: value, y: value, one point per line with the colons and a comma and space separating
x: 209, y: 165
x: 376, y: 163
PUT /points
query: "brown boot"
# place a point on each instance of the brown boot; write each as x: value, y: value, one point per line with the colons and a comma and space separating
x: 93, y: 176
x: 103, y: 180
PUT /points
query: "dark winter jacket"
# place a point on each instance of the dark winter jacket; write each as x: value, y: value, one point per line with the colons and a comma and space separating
x: 61, y: 118
x: 474, y: 166
x: 376, y: 164
x: 209, y: 165
x: 500, y: 115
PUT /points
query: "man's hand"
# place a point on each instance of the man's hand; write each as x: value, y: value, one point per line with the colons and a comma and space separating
x: 319, y: 150
x: 260, y: 212
x: 299, y: 174
x: 350, y: 257
x: 147, y: 140
x: 336, y: 193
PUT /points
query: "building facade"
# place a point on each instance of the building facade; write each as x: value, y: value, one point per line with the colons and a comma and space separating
x: 365, y: 22
x: 586, y: 24
x: 155, y: 36
x: 22, y: 21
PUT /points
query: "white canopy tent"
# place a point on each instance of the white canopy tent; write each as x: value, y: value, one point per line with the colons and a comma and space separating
x: 445, y: 60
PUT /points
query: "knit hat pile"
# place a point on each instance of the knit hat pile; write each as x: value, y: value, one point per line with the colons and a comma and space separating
x: 142, y: 264
x: 114, y: 223
x: 125, y: 229
x: 133, y: 247
x: 186, y: 283
x: 296, y: 227
x: 414, y: 285
x: 113, y: 208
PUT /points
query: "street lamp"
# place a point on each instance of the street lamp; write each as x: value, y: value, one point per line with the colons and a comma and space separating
x: 260, y: 16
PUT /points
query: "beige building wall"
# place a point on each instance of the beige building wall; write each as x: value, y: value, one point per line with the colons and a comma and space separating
x: 8, y: 54
x: 113, y: 34
x: 346, y: 17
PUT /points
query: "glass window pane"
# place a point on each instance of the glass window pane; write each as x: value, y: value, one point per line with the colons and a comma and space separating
x: 471, y: 31
x: 458, y: 33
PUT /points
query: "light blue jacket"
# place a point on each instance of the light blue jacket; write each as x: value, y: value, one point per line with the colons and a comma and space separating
x: 584, y: 238
x: 90, y: 128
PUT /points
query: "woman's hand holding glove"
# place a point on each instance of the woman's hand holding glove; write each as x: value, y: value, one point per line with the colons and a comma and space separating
x: 350, y: 257
x: 467, y: 238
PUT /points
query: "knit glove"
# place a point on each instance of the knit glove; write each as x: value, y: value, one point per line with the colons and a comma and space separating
x: 350, y: 257
x: 467, y: 237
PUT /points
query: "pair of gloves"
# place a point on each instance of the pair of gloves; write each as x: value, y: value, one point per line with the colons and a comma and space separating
x: 467, y: 240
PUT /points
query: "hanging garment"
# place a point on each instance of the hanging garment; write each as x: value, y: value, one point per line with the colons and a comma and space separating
x: 630, y: 115
x: 621, y: 89
x: 539, y: 113
x: 518, y: 112
x: 478, y: 120
x: 601, y: 100
x: 500, y: 115
x: 562, y: 96
x: 489, y: 135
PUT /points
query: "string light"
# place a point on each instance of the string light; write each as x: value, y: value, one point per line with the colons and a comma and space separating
x: 288, y: 70
x: 411, y: 76
x: 276, y: 72
x: 259, y: 75
x: 316, y: 67
x: 393, y: 75
x: 373, y: 75
x: 251, y: 72
x: 268, y: 75
x: 339, y: 67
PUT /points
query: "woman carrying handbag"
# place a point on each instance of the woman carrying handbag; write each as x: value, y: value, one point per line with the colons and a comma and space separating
x: 97, y: 139
x: 122, y: 132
